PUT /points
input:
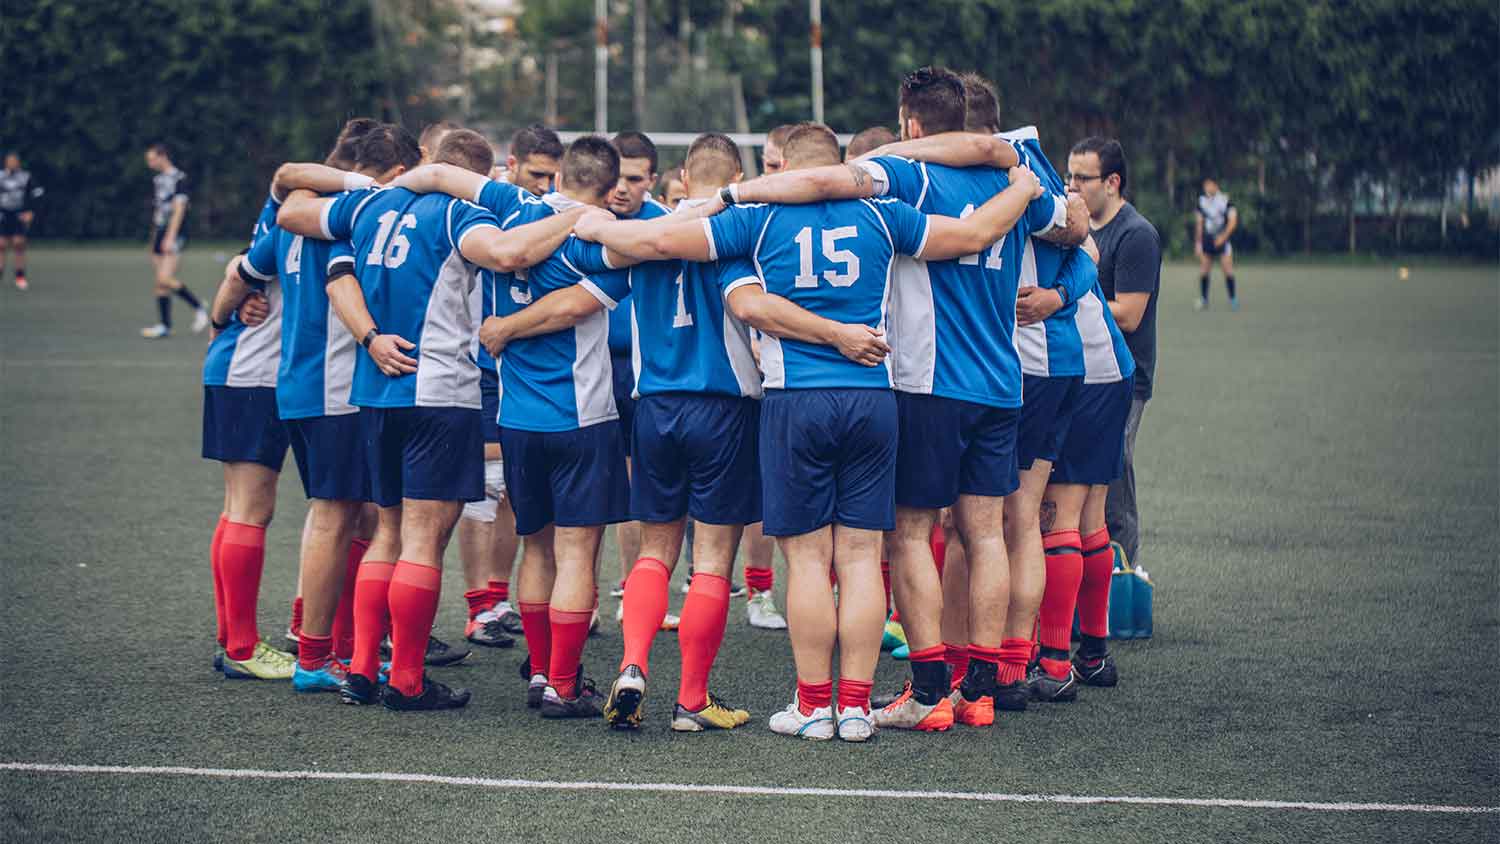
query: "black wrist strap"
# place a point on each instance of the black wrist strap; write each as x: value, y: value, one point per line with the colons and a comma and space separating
x: 219, y: 326
x: 370, y: 337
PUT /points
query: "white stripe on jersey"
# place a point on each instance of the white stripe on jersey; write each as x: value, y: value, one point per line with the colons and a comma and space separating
x: 593, y: 371
x: 741, y: 359
x: 1031, y: 340
x: 446, y: 374
x: 1099, y: 363
x: 257, y: 351
x: 911, y: 331
x: 338, y: 367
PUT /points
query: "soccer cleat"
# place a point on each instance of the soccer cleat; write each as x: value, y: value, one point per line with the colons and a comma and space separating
x: 510, y: 620
x: 973, y: 713
x: 156, y: 332
x: 487, y: 633
x: 1045, y: 687
x: 439, y: 653
x: 894, y: 636
x: 903, y: 652
x: 855, y: 724
x: 670, y: 623
x: 434, y: 696
x: 1234, y: 303
x: 218, y: 657
x: 585, y: 705
x: 818, y: 726
x: 738, y: 590
x: 1096, y: 672
x: 1200, y: 304
x: 907, y: 713
x: 359, y: 690
x: 535, y: 688
x: 292, y: 642
x: 715, y: 715
x: 1012, y: 697
x: 21, y: 283
x: 200, y: 320
x: 328, y: 678
x: 762, y: 612
x: 625, y: 706
x: 265, y: 663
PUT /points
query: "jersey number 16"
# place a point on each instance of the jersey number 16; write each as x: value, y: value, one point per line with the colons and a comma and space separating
x: 391, y: 245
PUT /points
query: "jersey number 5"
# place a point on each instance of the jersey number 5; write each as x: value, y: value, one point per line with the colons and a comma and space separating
x: 391, y: 245
x: 832, y: 252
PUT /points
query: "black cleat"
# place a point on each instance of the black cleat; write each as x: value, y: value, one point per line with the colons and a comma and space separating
x: 625, y: 706
x: 490, y: 635
x: 1012, y: 697
x: 439, y: 653
x: 358, y: 690
x: 1100, y: 671
x: 434, y: 695
x: 536, y: 686
x: 587, y: 704
x: 1045, y: 687
x: 881, y: 701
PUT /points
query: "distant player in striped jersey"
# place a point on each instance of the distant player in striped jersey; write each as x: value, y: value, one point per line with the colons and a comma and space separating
x: 1216, y: 220
x: 169, y: 196
x: 17, y: 193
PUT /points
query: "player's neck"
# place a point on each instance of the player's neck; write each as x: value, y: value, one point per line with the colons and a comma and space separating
x: 580, y: 198
x: 1111, y: 207
x: 708, y: 191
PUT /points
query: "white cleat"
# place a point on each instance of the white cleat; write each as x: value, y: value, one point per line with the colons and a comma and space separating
x: 855, y: 724
x: 670, y: 623
x: 200, y: 321
x: 156, y: 332
x: 818, y: 726
x: 620, y: 613
x: 762, y: 612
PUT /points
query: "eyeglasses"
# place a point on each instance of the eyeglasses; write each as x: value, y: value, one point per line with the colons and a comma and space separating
x: 1079, y: 177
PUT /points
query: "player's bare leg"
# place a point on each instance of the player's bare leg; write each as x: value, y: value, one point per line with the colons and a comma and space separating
x: 917, y: 591
x: 18, y: 243
x: 980, y: 521
x: 325, y: 557
x: 812, y: 620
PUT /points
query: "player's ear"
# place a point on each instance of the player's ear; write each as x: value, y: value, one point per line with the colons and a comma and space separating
x: 510, y: 163
x: 739, y: 175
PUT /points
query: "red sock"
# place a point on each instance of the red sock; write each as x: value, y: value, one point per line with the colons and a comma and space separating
x: 760, y: 580
x: 855, y: 693
x: 885, y: 580
x: 500, y: 589
x: 1064, y: 573
x: 957, y: 657
x: 221, y: 614
x: 313, y: 651
x: 704, y: 614
x: 372, y: 586
x: 570, y: 630
x: 296, y: 624
x: 242, y: 554
x: 1014, y: 655
x: 343, y: 617
x: 833, y: 580
x: 537, y: 628
x: 414, y: 602
x: 812, y: 696
x: 895, y: 615
x: 1093, y: 593
x: 479, y: 600
x: 645, y: 603
x: 939, y: 543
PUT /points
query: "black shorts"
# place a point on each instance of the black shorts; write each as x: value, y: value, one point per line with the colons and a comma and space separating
x: 159, y: 238
x: 11, y: 225
x: 1211, y: 249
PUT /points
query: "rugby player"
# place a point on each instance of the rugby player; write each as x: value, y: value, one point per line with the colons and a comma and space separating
x: 828, y: 498
x: 771, y: 158
x: 17, y: 191
x: 1216, y: 220
x: 169, y: 211
x: 673, y: 191
x: 867, y: 141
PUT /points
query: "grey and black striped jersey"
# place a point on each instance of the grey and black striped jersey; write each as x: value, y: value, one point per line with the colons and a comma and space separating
x: 1215, y: 210
x: 17, y: 190
x: 166, y: 187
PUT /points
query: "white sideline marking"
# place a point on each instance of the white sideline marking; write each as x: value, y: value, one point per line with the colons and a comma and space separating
x: 744, y: 790
x: 102, y: 363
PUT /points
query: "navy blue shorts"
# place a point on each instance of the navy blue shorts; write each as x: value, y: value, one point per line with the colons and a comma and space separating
x: 1045, y: 417
x: 696, y: 455
x: 566, y: 478
x: 624, y: 375
x: 241, y: 425
x: 1094, y: 452
x: 489, y: 404
x: 330, y: 456
x: 828, y: 456
x: 159, y: 243
x: 951, y: 447
x: 428, y: 453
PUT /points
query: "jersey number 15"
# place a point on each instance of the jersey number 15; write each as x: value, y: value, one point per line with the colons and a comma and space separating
x: 832, y: 252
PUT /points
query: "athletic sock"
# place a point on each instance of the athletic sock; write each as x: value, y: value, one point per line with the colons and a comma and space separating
x: 242, y: 555
x: 479, y: 600
x: 221, y: 614
x: 957, y: 659
x: 759, y: 580
x: 1229, y: 285
x: 570, y: 630
x: 812, y: 696
x: 1203, y: 287
x: 700, y: 634
x: 372, y: 587
x: 536, y: 627
x: 833, y: 577
x: 500, y: 589
x: 414, y: 601
x: 929, y: 675
x: 343, y: 616
x: 885, y: 580
x: 1014, y: 655
x: 645, y: 605
x: 164, y: 308
x: 313, y: 651
x: 1093, y: 592
x: 1064, y: 574
x: 295, y: 625
x: 855, y: 693
x: 187, y: 296
x: 984, y: 668
x: 938, y: 541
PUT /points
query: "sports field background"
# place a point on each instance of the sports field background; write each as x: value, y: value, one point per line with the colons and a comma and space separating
x: 1319, y: 492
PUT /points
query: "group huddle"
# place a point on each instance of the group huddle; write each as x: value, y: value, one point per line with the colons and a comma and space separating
x: 831, y: 351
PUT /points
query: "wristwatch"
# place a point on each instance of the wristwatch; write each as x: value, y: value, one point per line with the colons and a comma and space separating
x: 727, y: 195
x: 370, y: 337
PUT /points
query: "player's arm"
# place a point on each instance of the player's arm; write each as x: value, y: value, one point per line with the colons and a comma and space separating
x: 318, y: 178
x: 781, y: 317
x: 520, y: 247
x: 954, y: 149
x: 558, y: 310
x: 800, y: 187
x: 443, y: 178
x: 348, y: 302
x: 1034, y: 304
x: 951, y: 237
x: 633, y: 241
x: 233, y: 291
x: 1229, y: 227
x: 303, y: 212
x: 1075, y: 229
x: 1198, y: 233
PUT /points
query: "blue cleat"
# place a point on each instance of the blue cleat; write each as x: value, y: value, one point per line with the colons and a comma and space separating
x: 330, y: 678
x: 903, y: 652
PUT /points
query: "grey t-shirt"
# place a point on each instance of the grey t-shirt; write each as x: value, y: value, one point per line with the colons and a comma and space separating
x: 1130, y: 262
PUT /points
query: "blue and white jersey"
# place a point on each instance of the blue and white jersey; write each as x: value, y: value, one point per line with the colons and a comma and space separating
x: 505, y: 201
x: 620, y: 331
x: 953, y: 321
x: 693, y: 343
x: 564, y: 380
x: 1105, y: 357
x: 416, y: 283
x: 832, y: 258
x: 246, y: 356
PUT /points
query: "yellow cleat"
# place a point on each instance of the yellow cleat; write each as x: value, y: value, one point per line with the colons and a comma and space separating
x: 266, y: 663
x: 894, y: 636
x: 715, y: 715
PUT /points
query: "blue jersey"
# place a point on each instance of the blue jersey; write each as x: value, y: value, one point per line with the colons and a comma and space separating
x: 954, y: 321
x: 620, y: 331
x: 241, y: 355
x: 832, y: 258
x: 694, y: 344
x: 416, y: 284
x: 564, y: 380
x: 505, y: 201
x: 1103, y: 352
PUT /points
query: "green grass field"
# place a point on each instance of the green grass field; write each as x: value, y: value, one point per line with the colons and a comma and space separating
x: 1319, y: 493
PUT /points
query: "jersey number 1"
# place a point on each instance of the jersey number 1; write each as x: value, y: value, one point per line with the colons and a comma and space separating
x: 393, y: 253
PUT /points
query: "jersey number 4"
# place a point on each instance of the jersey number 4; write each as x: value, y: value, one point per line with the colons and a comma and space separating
x: 832, y: 252
x: 391, y: 245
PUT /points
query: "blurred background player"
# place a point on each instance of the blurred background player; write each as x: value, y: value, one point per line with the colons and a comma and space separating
x: 672, y: 190
x: 1216, y: 221
x: 169, y: 195
x: 771, y: 158
x: 867, y: 140
x: 17, y: 190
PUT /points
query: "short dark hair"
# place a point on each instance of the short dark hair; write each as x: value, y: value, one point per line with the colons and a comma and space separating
x: 872, y: 138
x: 535, y: 139
x: 432, y: 134
x: 160, y: 148
x: 465, y: 148
x: 345, y: 152
x: 981, y: 104
x: 636, y: 145
x: 386, y: 146
x: 592, y: 164
x: 934, y: 96
x: 712, y: 159
x: 1111, y: 156
x: 811, y: 144
x: 779, y: 135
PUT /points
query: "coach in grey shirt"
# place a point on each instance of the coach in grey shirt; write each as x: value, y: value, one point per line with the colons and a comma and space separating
x: 1130, y: 274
